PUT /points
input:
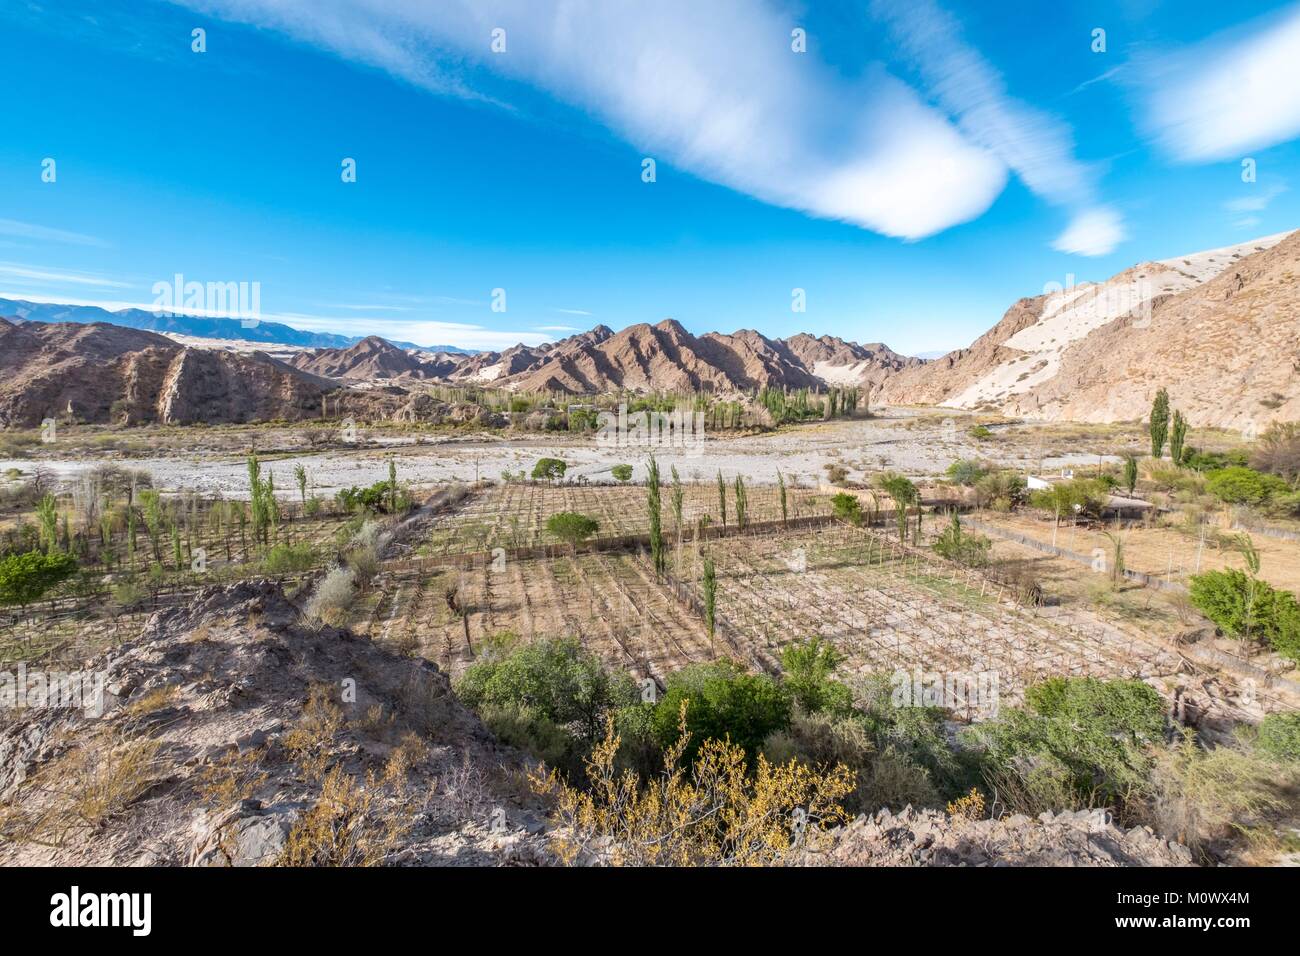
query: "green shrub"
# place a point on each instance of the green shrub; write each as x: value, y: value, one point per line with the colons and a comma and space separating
x: 555, y: 680
x: 535, y: 734
x: 847, y: 507
x: 971, y: 550
x: 1078, y: 742
x: 913, y: 734
x: 1089, y: 494
x: 723, y: 702
x: 966, y: 473
x: 1238, y: 485
x: 1209, y: 798
x: 1207, y: 461
x: 1001, y: 490
x: 1278, y: 736
x: 622, y: 473
x: 1241, y: 605
x: 979, y: 432
x: 806, y: 668
x: 287, y: 558
x: 882, y: 778
x: 379, y: 498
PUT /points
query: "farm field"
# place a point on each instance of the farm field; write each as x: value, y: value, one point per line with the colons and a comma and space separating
x: 513, y: 515
x: 609, y: 602
x: 1167, y: 553
x: 887, y: 609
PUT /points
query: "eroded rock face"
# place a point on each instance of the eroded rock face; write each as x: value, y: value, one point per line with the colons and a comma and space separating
x: 104, y: 373
x: 931, y: 838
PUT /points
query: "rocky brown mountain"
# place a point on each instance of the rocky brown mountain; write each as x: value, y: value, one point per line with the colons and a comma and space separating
x: 838, y: 362
x: 664, y: 357
x: 371, y: 359
x: 106, y: 373
x: 1219, y: 329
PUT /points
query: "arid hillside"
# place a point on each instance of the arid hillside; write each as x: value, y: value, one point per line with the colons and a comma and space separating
x: 107, y: 373
x: 1219, y: 329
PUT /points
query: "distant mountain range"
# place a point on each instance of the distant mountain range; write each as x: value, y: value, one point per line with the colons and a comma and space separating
x: 641, y: 358
x: 1220, y: 330
x: 272, y: 333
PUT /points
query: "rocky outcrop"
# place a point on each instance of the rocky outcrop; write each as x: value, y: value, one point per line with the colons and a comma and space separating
x: 932, y: 838
x: 102, y: 373
x: 221, y: 727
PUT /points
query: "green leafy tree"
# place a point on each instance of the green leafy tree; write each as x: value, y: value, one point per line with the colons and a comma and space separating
x: 658, y: 555
x: 955, y: 544
x: 1063, y: 497
x: 300, y: 476
x: 549, y: 469
x: 722, y: 703
x: 780, y: 484
x: 678, y: 500
x: 47, y: 519
x: 709, y: 586
x: 392, y: 486
x: 572, y: 527
x: 177, y: 559
x: 151, y: 507
x: 965, y: 472
x: 1130, y: 473
x: 903, y: 493
x: 847, y: 507
x: 742, y: 504
x: 1177, y: 437
x: 256, y: 496
x: 26, y: 578
x: 1159, y: 426
x: 722, y: 498
x: 622, y: 473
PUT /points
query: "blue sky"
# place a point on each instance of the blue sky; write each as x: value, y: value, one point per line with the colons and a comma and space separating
x: 920, y: 167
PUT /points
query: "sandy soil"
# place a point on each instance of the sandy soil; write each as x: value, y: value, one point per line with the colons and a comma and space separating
x: 1166, y: 552
x: 905, y: 440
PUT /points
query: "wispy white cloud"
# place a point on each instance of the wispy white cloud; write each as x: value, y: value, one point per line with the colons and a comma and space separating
x: 40, y: 274
x: 1093, y: 232
x: 1233, y: 92
x: 1102, y: 77
x: 1038, y: 147
x: 27, y: 230
x: 557, y: 328
x: 1258, y: 201
x: 348, y: 307
x: 571, y: 311
x: 712, y: 88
